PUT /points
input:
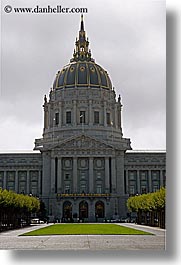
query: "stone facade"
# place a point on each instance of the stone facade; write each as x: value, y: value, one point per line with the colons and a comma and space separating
x: 21, y: 172
x: 84, y: 180
x: 85, y: 167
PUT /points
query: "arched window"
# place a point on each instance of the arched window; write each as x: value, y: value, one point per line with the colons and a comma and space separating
x: 83, y: 209
x: 99, y: 209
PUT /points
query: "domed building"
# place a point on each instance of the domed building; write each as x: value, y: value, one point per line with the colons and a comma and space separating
x: 86, y: 168
x: 83, y: 146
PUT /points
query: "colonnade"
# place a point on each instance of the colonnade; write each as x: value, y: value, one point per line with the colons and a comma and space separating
x: 109, y: 175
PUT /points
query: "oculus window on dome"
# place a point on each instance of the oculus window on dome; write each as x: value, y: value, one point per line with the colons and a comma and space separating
x: 82, y: 71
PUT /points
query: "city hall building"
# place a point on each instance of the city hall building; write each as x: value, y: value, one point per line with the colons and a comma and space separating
x: 85, y: 168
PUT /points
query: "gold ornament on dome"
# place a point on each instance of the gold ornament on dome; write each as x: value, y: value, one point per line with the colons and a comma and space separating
x: 72, y: 69
x: 92, y: 69
x: 82, y: 68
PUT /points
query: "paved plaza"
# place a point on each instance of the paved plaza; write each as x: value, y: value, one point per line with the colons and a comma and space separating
x: 12, y: 240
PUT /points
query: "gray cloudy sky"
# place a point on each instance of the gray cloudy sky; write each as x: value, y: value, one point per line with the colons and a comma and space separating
x: 127, y: 38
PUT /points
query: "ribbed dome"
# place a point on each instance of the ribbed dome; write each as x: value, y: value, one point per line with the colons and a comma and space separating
x: 82, y: 74
x: 82, y: 70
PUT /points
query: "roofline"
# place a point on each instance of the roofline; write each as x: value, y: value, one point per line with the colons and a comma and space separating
x: 146, y: 151
x: 19, y: 152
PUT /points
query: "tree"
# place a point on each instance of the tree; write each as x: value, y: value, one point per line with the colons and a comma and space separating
x: 16, y: 207
x: 149, y: 206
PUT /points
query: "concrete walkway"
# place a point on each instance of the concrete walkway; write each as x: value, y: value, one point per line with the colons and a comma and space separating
x: 12, y: 240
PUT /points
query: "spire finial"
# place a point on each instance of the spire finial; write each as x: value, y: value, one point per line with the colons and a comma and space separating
x: 82, y: 52
x: 82, y: 23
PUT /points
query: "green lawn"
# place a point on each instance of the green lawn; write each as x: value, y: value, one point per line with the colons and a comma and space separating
x: 85, y: 229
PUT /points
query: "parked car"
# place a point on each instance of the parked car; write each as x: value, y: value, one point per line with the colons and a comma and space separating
x: 36, y: 221
x: 124, y: 220
x: 115, y: 220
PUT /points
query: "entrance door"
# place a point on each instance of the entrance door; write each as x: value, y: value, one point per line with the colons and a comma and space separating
x: 83, y: 210
x: 67, y: 210
x: 99, y: 209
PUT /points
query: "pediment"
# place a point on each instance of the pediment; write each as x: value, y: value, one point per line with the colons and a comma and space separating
x: 83, y: 142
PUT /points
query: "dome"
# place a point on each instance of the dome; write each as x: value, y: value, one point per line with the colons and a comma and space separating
x: 82, y: 70
x: 82, y: 74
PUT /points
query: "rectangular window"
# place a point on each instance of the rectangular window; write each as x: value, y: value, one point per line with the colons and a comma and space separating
x: 11, y: 180
x: 143, y: 189
x: 56, y: 118
x: 108, y: 119
x: 98, y: 175
x: 131, y: 190
x: 22, y: 187
x: 82, y: 117
x: 143, y: 175
x: 99, y: 188
x: 82, y: 188
x: 68, y: 117
x: 96, y: 117
x: 132, y: 181
x: 67, y: 188
x: 34, y: 182
x: 155, y: 188
x: 132, y: 175
x: 155, y: 174
x: 22, y: 175
x: 82, y: 175
x: 67, y: 176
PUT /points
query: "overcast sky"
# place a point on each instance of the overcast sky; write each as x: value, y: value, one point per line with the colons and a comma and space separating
x: 127, y: 38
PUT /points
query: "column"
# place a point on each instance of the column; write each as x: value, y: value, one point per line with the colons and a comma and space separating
x: 120, y: 174
x: 59, y: 176
x: 74, y: 113
x: 138, y: 181
x: 39, y: 182
x: 75, y: 174
x: 113, y: 174
x: 107, y: 182
x: 46, y: 174
x: 16, y: 181
x: 91, y: 176
x: 149, y: 181
x: 5, y: 180
x: 52, y: 175
x: 28, y: 183
x: 90, y: 113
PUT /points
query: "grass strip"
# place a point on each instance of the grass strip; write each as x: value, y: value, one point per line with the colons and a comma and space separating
x: 85, y: 229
